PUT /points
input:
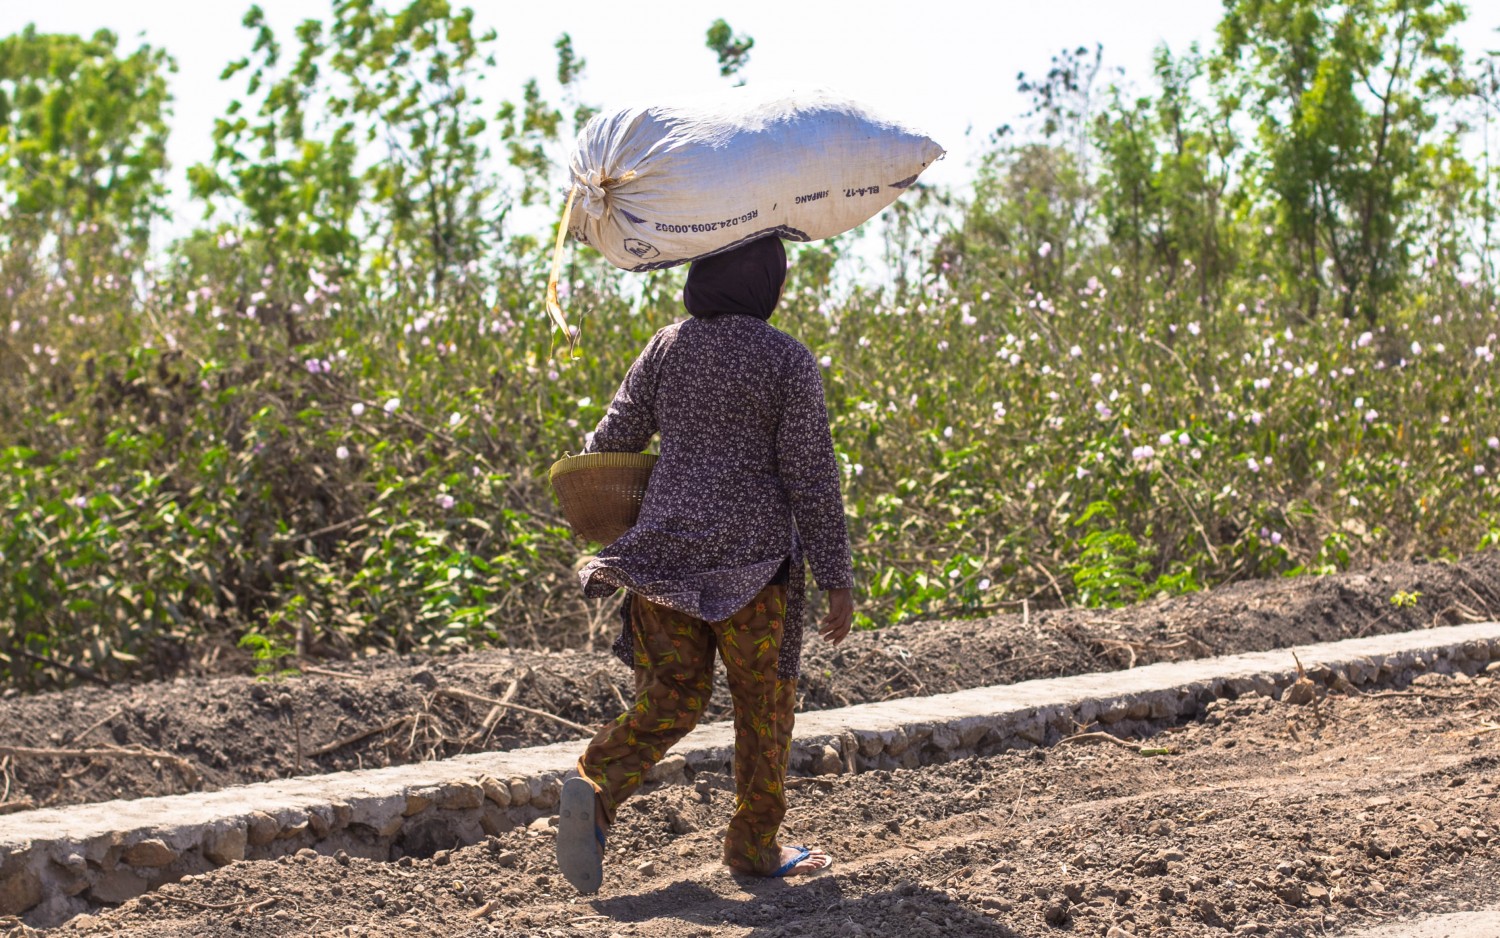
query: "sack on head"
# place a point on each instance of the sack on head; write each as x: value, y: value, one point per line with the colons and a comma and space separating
x: 663, y: 185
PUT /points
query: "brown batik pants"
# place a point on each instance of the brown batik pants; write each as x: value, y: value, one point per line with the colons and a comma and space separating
x: 674, y: 656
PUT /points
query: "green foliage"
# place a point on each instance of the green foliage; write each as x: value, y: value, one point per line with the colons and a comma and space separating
x: 733, y: 50
x: 82, y: 148
x: 324, y: 420
x: 1402, y: 599
x: 268, y: 655
x: 1348, y: 98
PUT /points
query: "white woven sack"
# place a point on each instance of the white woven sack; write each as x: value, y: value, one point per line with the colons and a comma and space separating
x: 663, y: 185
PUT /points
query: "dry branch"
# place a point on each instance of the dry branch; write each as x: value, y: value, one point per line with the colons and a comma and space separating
x: 1097, y: 737
x: 356, y: 737
x: 456, y: 694
x: 184, y: 767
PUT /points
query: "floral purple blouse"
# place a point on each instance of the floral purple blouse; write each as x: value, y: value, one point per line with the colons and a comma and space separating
x: 746, y: 478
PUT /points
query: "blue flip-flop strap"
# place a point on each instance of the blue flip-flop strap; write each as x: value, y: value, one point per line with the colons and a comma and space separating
x: 802, y: 854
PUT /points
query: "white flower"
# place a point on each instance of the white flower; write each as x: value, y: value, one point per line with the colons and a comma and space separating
x: 1493, y: 442
x: 1479, y: 470
x: 1416, y: 349
x: 1165, y: 439
x: 1075, y: 352
x: 859, y: 469
x: 1252, y: 465
x: 1183, y: 439
x: 984, y: 584
x: 1114, y: 271
x: 1096, y: 379
x: 1275, y: 537
x: 454, y: 419
x: 1371, y: 415
x: 1194, y: 328
x: 947, y: 432
x: 445, y: 501
x: 392, y: 404
x: 1145, y: 387
x: 1045, y: 249
x: 1142, y: 452
x: 342, y: 452
x: 826, y: 361
x: 1365, y: 338
x: 358, y: 409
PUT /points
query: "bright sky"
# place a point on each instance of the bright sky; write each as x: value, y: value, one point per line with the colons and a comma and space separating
x: 946, y: 68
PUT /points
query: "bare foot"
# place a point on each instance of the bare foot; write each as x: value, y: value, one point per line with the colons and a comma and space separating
x: 815, y: 861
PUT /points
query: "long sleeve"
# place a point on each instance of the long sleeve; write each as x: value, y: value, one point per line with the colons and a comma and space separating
x: 809, y: 471
x: 630, y: 422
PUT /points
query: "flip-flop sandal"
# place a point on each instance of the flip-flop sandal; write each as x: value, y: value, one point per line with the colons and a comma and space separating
x: 580, y: 842
x: 802, y: 854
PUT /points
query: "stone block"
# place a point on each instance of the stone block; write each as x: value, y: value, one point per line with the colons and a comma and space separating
x: 117, y: 886
x: 945, y: 737
x: 20, y: 890
x: 460, y: 796
x: 495, y: 791
x: 828, y: 761
x: 261, y: 829
x: 225, y: 845
x: 151, y: 852
x: 495, y: 820
x: 520, y: 792
x: 380, y: 814
x: 895, y: 740
x: 319, y: 822
x: 419, y: 801
x: 1361, y: 671
x: 670, y: 769
x: 547, y: 793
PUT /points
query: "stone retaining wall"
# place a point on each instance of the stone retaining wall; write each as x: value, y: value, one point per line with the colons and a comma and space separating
x: 56, y: 863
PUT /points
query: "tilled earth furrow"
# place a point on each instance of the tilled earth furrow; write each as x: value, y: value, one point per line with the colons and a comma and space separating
x: 1267, y: 818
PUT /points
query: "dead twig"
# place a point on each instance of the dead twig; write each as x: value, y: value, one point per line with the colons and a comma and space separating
x: 487, y: 725
x: 357, y: 737
x: 324, y: 672
x: 95, y: 726
x: 16, y: 807
x: 184, y: 767
x: 900, y: 666
x: 456, y: 694
x: 485, y: 909
x: 1098, y: 737
x: 249, y: 905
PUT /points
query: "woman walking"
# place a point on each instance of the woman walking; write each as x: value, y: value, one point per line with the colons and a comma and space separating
x: 745, y: 491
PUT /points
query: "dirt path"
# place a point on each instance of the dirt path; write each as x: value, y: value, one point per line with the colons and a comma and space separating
x: 390, y: 710
x: 1267, y: 819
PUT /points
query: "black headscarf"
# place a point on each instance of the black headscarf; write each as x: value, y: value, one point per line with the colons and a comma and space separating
x: 746, y: 279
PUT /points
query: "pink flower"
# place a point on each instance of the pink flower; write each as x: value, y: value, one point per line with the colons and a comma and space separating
x: 445, y: 501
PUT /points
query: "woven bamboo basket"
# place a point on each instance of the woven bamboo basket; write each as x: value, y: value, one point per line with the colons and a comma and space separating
x: 600, y: 493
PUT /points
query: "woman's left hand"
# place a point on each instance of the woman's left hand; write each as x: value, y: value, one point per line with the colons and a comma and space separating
x: 840, y: 617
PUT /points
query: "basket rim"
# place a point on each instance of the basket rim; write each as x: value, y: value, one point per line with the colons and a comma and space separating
x: 601, y: 461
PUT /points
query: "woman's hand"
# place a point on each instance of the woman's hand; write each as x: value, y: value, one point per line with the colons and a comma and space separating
x: 840, y: 617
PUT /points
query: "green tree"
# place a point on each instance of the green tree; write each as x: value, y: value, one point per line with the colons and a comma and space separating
x: 83, y: 140
x: 733, y: 50
x: 1165, y: 191
x: 1348, y: 98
